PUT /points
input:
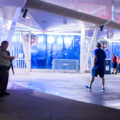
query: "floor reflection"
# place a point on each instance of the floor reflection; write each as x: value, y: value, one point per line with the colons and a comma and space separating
x: 72, y: 87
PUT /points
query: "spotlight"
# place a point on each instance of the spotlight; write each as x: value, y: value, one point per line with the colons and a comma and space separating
x: 104, y: 25
x: 24, y: 12
x: 51, y: 39
x: 101, y: 27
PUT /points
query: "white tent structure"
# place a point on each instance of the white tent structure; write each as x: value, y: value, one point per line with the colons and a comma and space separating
x: 63, y: 16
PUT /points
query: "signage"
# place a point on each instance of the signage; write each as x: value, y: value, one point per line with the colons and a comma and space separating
x: 104, y: 44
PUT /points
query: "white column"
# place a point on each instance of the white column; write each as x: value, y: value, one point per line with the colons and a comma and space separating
x: 82, y: 48
x: 13, y: 24
x: 93, y: 42
x: 30, y: 41
x: 27, y: 49
x: 15, y: 19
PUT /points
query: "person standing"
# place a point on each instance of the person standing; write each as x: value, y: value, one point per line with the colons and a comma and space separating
x: 4, y: 68
x: 114, y: 60
x: 99, y: 66
x: 118, y: 64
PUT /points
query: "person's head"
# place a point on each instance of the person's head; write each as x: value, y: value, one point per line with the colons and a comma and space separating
x: 98, y: 45
x: 113, y: 54
x: 4, y: 44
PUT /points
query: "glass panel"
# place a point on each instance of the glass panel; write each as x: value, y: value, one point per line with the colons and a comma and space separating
x: 50, y: 47
x: 71, y: 47
x: 38, y: 53
x: 16, y: 49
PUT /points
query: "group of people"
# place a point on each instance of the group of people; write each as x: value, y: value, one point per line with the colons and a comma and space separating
x: 116, y: 64
x: 5, y: 64
x: 99, y: 66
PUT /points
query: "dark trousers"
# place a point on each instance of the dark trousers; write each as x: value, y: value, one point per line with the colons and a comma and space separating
x: 118, y: 68
x: 4, y: 75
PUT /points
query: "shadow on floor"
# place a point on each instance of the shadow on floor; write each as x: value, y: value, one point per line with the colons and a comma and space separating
x: 27, y: 104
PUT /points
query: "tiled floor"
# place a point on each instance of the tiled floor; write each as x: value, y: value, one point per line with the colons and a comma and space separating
x: 60, y: 96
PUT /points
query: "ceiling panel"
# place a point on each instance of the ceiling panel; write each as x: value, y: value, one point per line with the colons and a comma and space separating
x: 7, y: 12
x: 80, y: 16
x: 99, y: 8
x: 29, y: 21
x: 52, y: 22
x: 47, y: 21
x: 16, y: 3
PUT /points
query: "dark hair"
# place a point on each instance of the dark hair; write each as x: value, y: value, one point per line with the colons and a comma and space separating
x: 98, y: 45
x: 4, y: 42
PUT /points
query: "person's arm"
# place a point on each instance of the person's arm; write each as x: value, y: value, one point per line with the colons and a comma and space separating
x: 8, y: 57
x: 95, y: 59
x: 11, y: 65
x: 105, y: 57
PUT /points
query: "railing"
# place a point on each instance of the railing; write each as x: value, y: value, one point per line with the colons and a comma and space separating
x: 65, y: 64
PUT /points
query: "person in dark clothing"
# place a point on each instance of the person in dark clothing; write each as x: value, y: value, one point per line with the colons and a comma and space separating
x: 99, y: 66
x: 114, y: 60
x: 4, y: 68
x: 118, y: 64
x: 11, y: 64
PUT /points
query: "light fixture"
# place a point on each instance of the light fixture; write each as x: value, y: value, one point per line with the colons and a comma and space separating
x: 24, y: 11
x: 59, y: 40
x: 50, y: 39
x: 101, y: 27
x: 40, y: 39
x: 68, y: 41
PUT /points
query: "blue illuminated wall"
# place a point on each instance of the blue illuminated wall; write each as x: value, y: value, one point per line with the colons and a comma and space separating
x: 38, y: 53
x: 115, y: 48
x: 51, y: 47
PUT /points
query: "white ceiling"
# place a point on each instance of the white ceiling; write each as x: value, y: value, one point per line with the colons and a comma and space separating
x: 99, y: 8
x: 51, y: 22
x: 47, y: 21
x: 15, y: 3
x: 7, y: 12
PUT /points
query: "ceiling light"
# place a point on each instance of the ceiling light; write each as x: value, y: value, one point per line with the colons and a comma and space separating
x: 51, y: 39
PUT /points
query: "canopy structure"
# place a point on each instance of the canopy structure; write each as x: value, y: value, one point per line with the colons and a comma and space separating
x: 48, y: 15
x: 87, y: 18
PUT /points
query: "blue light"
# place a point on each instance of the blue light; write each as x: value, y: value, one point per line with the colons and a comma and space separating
x: 59, y: 40
x: 40, y: 39
x: 68, y: 41
x: 51, y: 39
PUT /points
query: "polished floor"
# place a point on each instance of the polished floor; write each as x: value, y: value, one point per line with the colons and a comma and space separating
x: 60, y: 96
x: 72, y: 85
